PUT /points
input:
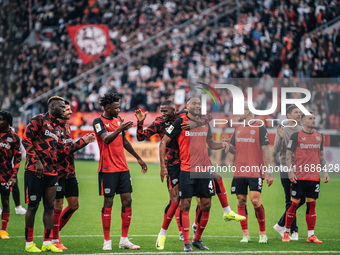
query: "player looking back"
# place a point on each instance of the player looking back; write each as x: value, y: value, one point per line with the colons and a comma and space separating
x: 10, y: 158
x: 307, y: 146
x: 68, y: 183
x: 113, y: 171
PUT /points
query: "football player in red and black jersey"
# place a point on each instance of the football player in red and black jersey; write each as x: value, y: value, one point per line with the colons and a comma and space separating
x: 41, y: 141
x: 193, y: 152
x: 113, y: 172
x: 307, y: 146
x: 250, y: 143
x: 68, y: 183
x: 10, y: 158
x: 159, y: 126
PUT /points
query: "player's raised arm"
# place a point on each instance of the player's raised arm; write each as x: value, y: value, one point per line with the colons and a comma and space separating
x: 130, y: 149
x: 142, y: 134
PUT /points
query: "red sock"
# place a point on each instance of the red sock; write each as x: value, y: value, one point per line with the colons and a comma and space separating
x: 185, y: 222
x: 65, y: 217
x: 106, y: 221
x: 260, y: 215
x: 291, y: 213
x: 29, y: 234
x: 311, y: 215
x: 242, y: 210
x: 221, y: 193
x: 56, y: 223
x: 201, y: 225
x: 169, y: 214
x: 177, y: 217
x: 4, y: 221
x: 198, y: 210
x: 47, y: 235
x: 126, y: 220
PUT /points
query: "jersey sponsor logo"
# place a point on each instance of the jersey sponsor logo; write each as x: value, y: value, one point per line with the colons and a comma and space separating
x: 5, y: 145
x: 50, y: 134
x: 245, y: 140
x: 169, y: 129
x: 188, y: 133
x: 9, y: 139
x: 309, y: 146
x: 69, y: 140
x: 98, y: 127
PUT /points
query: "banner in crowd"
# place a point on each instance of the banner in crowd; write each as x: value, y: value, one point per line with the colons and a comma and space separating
x: 91, y: 41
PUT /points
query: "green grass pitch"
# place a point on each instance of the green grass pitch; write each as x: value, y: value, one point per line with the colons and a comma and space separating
x: 83, y: 233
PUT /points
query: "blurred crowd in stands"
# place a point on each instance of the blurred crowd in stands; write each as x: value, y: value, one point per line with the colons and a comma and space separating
x: 265, y: 40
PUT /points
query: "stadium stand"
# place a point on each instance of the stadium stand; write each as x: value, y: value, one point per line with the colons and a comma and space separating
x: 261, y: 41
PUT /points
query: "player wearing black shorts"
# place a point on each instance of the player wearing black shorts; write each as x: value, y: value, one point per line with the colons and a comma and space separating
x: 249, y: 143
x: 307, y: 147
x: 113, y: 172
x: 68, y: 183
x: 193, y: 152
x: 10, y: 158
x: 41, y: 141
x: 159, y: 126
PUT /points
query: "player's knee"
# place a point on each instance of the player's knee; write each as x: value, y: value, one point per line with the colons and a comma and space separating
x: 127, y: 202
x: 74, y: 206
x: 185, y: 205
x: 256, y: 202
x: 33, y: 207
x: 5, y: 203
x: 205, y: 206
x: 241, y: 201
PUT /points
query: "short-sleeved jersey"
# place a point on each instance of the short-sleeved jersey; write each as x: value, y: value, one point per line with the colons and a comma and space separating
x: 159, y: 126
x: 10, y: 155
x: 249, y: 158
x: 112, y: 157
x: 307, y: 148
x: 192, y: 144
x: 66, y: 169
x: 40, y: 140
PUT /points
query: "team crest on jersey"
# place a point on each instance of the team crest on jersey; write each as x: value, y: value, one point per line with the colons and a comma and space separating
x: 118, y: 122
x: 9, y: 139
x: 238, y: 132
x: 252, y: 132
x: 98, y: 127
x: 107, y: 125
x: 318, y: 138
x: 169, y: 129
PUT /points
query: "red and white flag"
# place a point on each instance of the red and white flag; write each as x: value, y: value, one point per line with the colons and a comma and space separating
x: 91, y: 41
